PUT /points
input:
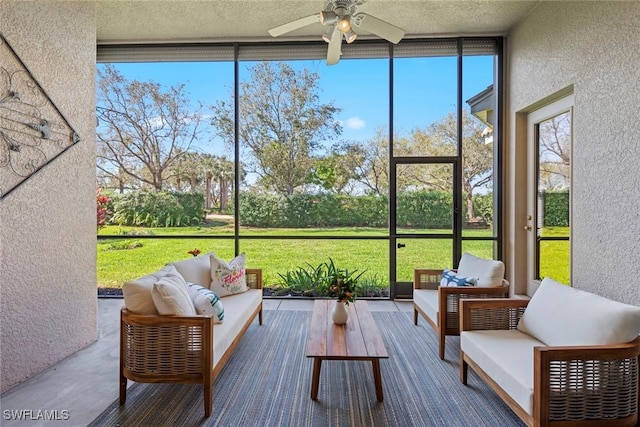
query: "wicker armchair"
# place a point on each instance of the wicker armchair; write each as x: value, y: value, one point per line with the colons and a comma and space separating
x: 572, y: 385
x: 178, y: 349
x: 446, y: 320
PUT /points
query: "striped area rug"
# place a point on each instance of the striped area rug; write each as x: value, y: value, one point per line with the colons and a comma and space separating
x: 267, y: 382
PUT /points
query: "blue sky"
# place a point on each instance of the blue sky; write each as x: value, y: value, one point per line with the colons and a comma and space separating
x: 424, y: 90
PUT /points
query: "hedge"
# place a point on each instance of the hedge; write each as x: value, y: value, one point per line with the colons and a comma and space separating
x: 417, y: 209
x: 157, y: 209
x: 556, y: 208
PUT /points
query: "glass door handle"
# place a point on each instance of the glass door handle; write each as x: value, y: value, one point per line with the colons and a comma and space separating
x: 527, y: 228
x: 401, y: 245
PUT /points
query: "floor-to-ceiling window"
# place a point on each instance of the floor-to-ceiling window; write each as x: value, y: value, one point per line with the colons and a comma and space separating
x: 384, y: 162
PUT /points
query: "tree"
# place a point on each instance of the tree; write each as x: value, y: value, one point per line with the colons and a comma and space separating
x: 373, y: 170
x: 337, y: 171
x: 282, y: 123
x: 441, y: 139
x: 555, y: 152
x: 144, y: 128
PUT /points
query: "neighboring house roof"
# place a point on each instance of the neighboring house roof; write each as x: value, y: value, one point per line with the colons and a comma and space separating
x: 482, y: 106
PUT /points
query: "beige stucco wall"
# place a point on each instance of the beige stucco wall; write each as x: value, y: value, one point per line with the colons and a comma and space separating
x: 594, y: 47
x: 47, y: 226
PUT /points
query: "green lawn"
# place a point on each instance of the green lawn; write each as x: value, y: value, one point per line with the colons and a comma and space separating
x: 129, y: 257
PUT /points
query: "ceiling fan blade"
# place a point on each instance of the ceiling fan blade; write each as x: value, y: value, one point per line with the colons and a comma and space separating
x: 379, y: 27
x: 294, y: 25
x: 333, y: 51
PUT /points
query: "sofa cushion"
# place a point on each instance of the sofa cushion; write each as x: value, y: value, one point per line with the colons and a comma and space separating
x: 562, y: 315
x: 228, y: 278
x: 507, y: 358
x: 451, y: 278
x: 137, y: 293
x: 237, y: 312
x: 171, y: 296
x: 488, y: 271
x: 195, y: 270
x: 206, y: 302
x: 427, y: 300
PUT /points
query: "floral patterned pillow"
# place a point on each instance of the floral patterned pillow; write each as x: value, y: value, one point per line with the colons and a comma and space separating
x: 228, y: 278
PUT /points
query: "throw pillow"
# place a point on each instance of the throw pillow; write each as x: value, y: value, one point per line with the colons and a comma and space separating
x: 228, y: 278
x: 137, y: 293
x: 450, y: 278
x: 206, y: 302
x: 171, y: 296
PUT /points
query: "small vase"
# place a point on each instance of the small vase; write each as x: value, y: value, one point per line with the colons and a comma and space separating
x: 340, y: 315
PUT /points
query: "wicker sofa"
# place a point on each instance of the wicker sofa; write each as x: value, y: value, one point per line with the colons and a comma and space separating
x: 439, y: 305
x: 157, y: 348
x: 565, y: 357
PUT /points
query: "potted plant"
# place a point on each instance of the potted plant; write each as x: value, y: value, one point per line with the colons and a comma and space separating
x: 342, y: 285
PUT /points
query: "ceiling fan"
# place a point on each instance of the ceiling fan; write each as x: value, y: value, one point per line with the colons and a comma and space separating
x: 341, y: 17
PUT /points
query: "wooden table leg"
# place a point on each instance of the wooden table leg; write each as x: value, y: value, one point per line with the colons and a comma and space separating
x: 377, y: 378
x: 315, y: 379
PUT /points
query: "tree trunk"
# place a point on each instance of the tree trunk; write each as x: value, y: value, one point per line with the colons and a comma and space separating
x: 224, y: 200
x: 471, y: 214
x: 207, y: 193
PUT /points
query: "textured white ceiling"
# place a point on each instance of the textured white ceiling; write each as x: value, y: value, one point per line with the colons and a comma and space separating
x: 151, y: 21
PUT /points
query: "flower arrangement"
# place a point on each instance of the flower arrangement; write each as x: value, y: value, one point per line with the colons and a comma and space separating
x: 102, y: 209
x: 194, y: 252
x: 342, y: 282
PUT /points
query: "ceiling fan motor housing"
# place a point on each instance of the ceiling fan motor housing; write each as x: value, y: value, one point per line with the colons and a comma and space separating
x: 343, y: 7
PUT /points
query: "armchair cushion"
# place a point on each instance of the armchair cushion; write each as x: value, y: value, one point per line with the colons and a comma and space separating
x: 560, y: 315
x: 451, y: 278
x: 489, y: 272
x: 507, y: 357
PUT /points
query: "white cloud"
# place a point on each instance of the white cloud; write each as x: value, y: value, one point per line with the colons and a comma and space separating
x: 355, y: 123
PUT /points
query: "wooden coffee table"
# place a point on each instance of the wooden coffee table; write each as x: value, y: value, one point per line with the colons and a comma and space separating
x: 359, y: 339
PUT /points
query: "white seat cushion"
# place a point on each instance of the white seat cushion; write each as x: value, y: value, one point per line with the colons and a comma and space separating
x: 507, y: 357
x: 489, y: 272
x: 427, y: 300
x: 561, y: 315
x: 237, y: 311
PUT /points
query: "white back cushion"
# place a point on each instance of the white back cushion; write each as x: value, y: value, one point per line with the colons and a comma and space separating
x: 137, y: 293
x: 561, y: 315
x: 195, y: 270
x: 489, y: 272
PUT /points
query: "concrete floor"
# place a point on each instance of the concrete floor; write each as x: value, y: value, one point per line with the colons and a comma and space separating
x: 82, y: 386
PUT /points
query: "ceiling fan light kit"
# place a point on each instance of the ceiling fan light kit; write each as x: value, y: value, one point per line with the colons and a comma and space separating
x: 341, y: 18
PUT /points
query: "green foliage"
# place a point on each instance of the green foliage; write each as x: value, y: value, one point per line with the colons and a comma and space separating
x: 308, y: 279
x: 425, y: 209
x: 326, y: 279
x: 483, y: 207
x: 556, y: 208
x: 157, y: 209
x: 120, y: 245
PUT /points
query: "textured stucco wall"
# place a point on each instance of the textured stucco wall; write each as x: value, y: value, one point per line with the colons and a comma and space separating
x: 594, y: 47
x: 47, y: 226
